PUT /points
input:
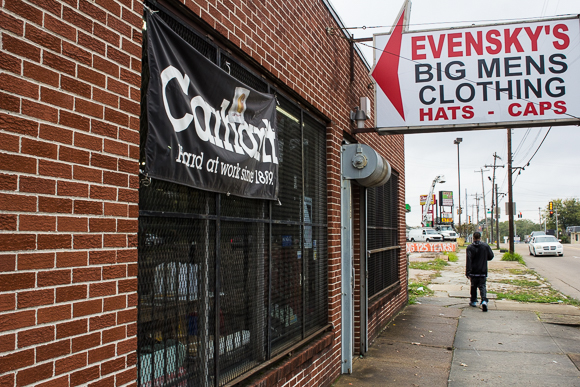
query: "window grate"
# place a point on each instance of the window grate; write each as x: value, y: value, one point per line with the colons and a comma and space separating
x: 382, y: 231
x: 239, y: 72
x: 225, y: 283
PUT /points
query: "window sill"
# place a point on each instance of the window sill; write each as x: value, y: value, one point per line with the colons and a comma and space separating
x: 305, y: 350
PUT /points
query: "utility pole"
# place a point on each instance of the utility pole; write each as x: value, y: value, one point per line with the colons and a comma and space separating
x: 458, y: 141
x: 510, y: 192
x: 466, y: 213
x: 483, y: 195
x: 494, y: 205
x: 477, y: 207
x: 477, y: 199
x: 496, y: 210
x: 556, y: 223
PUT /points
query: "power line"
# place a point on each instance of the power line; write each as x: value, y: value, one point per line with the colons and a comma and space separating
x: 528, y: 163
x: 532, y: 144
x: 454, y: 22
x: 521, y: 142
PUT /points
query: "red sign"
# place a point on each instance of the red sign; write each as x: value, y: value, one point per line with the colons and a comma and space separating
x: 413, y: 247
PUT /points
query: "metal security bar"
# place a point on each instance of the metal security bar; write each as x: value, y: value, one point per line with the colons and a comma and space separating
x: 382, y: 237
x: 227, y: 283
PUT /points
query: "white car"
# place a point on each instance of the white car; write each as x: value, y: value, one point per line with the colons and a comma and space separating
x: 425, y: 235
x: 545, y: 245
x: 447, y: 232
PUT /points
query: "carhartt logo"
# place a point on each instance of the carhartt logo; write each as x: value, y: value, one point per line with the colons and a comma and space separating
x: 218, y: 134
x: 241, y: 106
x: 236, y: 112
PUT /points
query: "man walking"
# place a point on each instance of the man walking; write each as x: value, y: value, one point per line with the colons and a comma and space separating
x: 478, y: 253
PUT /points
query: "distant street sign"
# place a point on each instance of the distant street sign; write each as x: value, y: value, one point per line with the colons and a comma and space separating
x: 507, y: 208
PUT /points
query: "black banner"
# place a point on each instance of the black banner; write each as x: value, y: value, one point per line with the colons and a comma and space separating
x: 206, y: 129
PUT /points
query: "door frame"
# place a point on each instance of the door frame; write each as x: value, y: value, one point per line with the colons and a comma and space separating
x: 347, y: 276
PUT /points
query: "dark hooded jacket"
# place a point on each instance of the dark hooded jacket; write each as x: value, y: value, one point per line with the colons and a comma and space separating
x: 478, y: 253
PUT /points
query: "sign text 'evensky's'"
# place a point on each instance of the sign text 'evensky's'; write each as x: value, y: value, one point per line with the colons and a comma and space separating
x: 486, y: 76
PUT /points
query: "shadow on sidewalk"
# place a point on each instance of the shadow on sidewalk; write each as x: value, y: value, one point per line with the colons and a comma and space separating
x: 416, y: 348
x: 441, y: 341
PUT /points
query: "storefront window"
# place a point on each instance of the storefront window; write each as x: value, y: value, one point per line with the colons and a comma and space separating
x: 225, y: 283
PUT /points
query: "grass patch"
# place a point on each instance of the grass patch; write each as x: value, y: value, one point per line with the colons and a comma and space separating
x: 529, y: 295
x: 418, y: 289
x: 524, y: 283
x: 436, y: 264
x: 521, y: 271
x: 530, y: 291
x: 452, y: 256
x: 513, y: 257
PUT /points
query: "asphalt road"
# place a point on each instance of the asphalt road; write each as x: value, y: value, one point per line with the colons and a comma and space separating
x: 562, y: 272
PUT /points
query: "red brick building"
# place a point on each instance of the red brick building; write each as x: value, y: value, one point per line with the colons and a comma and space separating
x: 109, y: 277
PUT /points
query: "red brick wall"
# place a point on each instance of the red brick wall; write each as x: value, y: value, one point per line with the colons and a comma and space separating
x: 393, y: 148
x: 289, y: 40
x: 69, y: 108
x: 69, y: 145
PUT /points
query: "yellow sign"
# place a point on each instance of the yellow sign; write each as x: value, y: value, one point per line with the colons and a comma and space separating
x: 423, y: 199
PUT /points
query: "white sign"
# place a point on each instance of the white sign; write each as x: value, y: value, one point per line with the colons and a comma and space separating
x: 523, y: 74
x: 507, y: 208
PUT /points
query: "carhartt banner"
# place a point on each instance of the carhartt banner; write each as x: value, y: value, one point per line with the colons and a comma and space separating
x: 206, y: 129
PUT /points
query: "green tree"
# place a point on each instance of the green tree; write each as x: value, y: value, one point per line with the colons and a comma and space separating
x: 465, y: 229
x: 568, y: 214
x: 523, y: 227
x: 485, y: 231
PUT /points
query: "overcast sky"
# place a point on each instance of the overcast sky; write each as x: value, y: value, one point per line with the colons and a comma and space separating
x: 553, y: 173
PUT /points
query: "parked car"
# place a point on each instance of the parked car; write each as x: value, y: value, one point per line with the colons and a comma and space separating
x: 533, y: 234
x: 425, y: 235
x: 545, y: 245
x: 447, y: 232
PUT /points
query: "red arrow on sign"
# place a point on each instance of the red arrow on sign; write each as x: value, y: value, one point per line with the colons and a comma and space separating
x: 386, y: 71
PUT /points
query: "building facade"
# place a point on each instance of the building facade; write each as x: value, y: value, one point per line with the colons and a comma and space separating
x: 574, y: 234
x: 111, y: 275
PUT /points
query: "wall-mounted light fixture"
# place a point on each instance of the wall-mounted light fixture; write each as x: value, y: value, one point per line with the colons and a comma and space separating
x: 361, y: 113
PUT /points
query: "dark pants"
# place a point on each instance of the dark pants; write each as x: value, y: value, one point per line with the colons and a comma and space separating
x: 478, y: 282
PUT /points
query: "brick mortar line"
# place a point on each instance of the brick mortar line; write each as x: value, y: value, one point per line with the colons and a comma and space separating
x: 59, y: 125
x: 75, y: 131
x: 57, y: 178
x: 80, y: 12
x: 68, y: 58
x: 75, y: 96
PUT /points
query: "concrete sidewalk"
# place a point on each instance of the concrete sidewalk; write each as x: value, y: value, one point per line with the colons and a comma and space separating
x: 442, y: 341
